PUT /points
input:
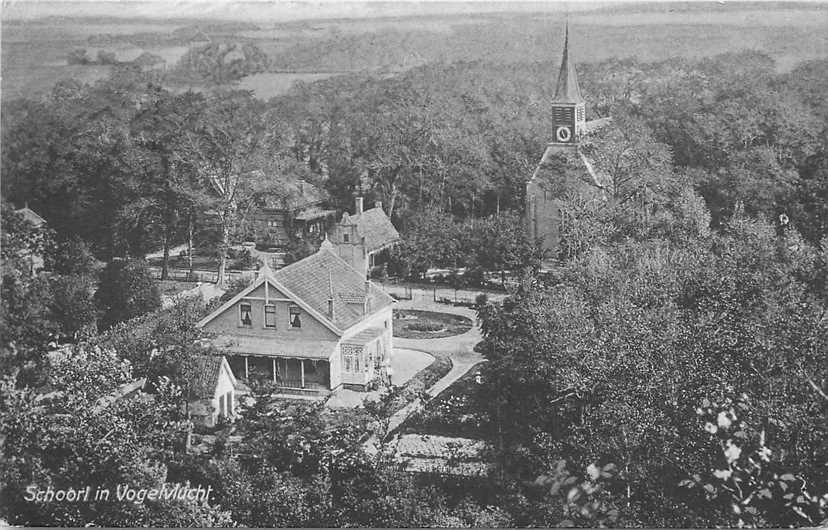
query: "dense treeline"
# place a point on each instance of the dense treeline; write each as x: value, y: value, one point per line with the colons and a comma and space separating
x: 461, y: 138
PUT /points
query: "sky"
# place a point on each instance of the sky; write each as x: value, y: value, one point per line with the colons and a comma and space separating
x: 273, y: 10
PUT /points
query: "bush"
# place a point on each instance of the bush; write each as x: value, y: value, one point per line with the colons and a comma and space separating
x: 127, y: 290
x: 242, y: 260
x: 70, y: 255
x: 235, y: 286
x: 298, y: 249
x: 73, y: 304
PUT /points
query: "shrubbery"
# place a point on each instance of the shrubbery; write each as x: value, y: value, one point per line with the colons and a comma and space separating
x: 127, y: 290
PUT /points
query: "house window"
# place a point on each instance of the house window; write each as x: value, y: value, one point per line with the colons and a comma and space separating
x: 295, y: 320
x: 270, y: 316
x: 226, y: 405
x: 345, y: 237
x: 351, y: 359
x: 244, y: 315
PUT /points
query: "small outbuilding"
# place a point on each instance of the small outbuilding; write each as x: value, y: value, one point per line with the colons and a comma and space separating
x: 212, y: 390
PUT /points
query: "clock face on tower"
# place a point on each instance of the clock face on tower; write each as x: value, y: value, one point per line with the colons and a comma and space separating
x: 563, y: 124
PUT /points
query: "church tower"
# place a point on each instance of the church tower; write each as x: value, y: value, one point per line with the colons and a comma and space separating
x: 563, y: 170
x: 568, y: 110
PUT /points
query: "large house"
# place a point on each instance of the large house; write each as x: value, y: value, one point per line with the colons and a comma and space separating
x: 564, y: 169
x: 362, y: 236
x: 299, y: 212
x: 314, y: 325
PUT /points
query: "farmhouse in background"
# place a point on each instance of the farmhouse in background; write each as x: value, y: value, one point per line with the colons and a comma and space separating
x: 362, y: 236
x: 212, y: 392
x: 563, y: 169
x: 299, y: 213
x: 312, y: 326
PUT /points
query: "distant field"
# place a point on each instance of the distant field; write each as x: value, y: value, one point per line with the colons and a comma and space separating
x: 268, y: 85
x: 34, y: 52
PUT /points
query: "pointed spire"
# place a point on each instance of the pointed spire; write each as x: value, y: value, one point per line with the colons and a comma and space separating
x: 567, y: 89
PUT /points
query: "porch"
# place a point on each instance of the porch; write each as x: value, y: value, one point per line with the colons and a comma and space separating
x: 290, y: 375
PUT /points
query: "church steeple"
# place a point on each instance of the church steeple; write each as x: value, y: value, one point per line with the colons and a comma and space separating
x: 568, y: 110
x: 567, y: 89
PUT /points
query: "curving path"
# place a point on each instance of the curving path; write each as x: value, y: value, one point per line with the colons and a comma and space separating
x: 459, y: 348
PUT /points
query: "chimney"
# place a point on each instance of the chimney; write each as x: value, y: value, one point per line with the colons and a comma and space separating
x: 330, y: 296
x: 358, y: 209
x: 378, y: 204
x: 366, y: 308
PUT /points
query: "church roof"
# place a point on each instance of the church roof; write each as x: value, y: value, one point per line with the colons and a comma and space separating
x: 567, y: 89
x: 567, y: 169
x: 375, y: 227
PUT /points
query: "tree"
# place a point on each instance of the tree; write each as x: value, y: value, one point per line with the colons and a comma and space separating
x: 600, y: 361
x: 127, y: 290
x: 67, y: 438
x: 70, y: 255
x: 166, y: 186
x: 503, y: 244
x: 73, y: 303
x: 228, y: 150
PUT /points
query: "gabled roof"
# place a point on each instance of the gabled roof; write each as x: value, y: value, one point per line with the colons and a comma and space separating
x: 375, y: 227
x: 563, y: 169
x: 148, y: 59
x: 310, y: 282
x: 314, y: 278
x: 298, y: 194
x: 30, y: 215
x: 567, y: 89
x: 204, y: 374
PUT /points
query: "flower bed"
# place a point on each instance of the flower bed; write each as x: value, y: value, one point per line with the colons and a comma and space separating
x: 414, y: 324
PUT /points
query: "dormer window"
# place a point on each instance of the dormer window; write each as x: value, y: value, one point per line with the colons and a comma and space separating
x: 245, y: 318
x: 295, y: 318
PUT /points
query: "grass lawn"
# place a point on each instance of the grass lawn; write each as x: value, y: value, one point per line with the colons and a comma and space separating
x: 199, y: 262
x: 414, y: 324
x: 173, y: 287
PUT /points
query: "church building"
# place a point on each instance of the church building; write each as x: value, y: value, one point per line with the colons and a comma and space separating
x: 563, y: 170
